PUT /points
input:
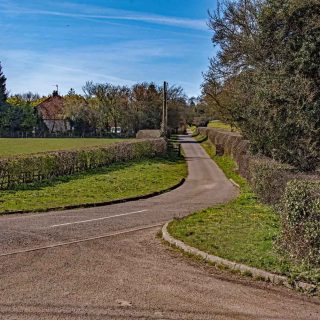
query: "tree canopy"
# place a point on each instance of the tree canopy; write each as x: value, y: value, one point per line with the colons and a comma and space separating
x: 3, y: 87
x: 265, y: 77
x: 101, y: 107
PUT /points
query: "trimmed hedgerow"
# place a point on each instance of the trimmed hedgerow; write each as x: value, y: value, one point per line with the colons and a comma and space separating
x: 295, y: 195
x: 42, y: 166
x: 232, y: 144
x: 300, y: 221
x: 268, y: 178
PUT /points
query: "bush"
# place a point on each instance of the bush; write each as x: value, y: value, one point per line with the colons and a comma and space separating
x: 268, y: 178
x: 148, y: 134
x: 300, y: 221
x: 296, y: 195
x: 41, y: 166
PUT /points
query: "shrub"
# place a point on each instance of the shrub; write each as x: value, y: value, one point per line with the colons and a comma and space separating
x: 300, y: 221
x: 268, y: 178
x: 148, y: 134
x: 37, y: 167
x: 296, y: 194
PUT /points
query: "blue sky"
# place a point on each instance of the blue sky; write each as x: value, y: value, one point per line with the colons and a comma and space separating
x: 45, y: 42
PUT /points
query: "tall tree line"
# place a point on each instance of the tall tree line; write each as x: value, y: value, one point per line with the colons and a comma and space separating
x: 105, y: 105
x: 100, y: 107
x: 17, y: 113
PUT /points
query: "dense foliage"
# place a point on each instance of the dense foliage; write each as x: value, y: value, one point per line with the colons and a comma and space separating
x: 21, y: 118
x: 102, y: 108
x: 265, y: 77
x: 37, y: 167
x: 300, y: 221
x: 3, y: 88
x: 17, y: 113
x: 139, y: 107
x: 295, y: 195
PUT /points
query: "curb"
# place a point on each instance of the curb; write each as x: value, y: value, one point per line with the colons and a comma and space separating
x: 100, y: 204
x: 234, y: 183
x: 254, y: 272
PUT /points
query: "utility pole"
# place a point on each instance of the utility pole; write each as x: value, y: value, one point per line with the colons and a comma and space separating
x: 164, y: 125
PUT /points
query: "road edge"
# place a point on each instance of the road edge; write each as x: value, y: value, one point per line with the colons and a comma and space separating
x: 255, y: 273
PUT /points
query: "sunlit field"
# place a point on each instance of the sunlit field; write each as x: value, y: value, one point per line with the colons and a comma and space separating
x: 12, y: 147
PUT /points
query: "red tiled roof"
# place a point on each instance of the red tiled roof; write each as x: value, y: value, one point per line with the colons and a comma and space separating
x: 51, y: 108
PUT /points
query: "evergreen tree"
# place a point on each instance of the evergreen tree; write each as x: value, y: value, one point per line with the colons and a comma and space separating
x: 3, y: 90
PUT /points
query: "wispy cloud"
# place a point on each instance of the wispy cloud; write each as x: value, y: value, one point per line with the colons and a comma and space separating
x: 121, y: 63
x: 46, y: 70
x: 100, y: 44
x: 107, y: 14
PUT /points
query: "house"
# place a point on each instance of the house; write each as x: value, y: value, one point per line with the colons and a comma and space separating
x: 116, y: 130
x: 51, y: 111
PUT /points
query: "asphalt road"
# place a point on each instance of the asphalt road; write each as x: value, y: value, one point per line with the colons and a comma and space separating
x: 131, y: 275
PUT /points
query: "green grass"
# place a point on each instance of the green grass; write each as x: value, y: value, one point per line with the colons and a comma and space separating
x: 117, y: 181
x: 243, y: 230
x: 12, y: 147
x: 220, y: 125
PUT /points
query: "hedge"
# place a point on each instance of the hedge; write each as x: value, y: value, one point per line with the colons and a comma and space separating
x: 258, y: 171
x: 296, y: 195
x: 268, y: 178
x: 148, y: 134
x: 232, y: 144
x: 300, y: 221
x: 37, y: 167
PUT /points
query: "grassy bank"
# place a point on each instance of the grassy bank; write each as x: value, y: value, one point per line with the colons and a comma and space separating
x: 243, y: 230
x: 117, y: 181
x: 12, y: 147
x: 220, y: 125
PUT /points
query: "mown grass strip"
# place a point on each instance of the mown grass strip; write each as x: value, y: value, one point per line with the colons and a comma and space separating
x: 117, y: 181
x: 17, y: 146
x: 244, y: 230
x: 221, y: 125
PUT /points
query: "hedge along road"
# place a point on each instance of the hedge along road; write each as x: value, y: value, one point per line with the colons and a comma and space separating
x: 130, y: 275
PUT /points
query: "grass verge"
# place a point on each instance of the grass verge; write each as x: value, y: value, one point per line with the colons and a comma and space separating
x: 221, y: 125
x: 243, y: 230
x: 16, y: 146
x: 118, y: 181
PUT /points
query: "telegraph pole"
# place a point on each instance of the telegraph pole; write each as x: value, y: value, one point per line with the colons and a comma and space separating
x: 164, y: 125
x: 57, y: 86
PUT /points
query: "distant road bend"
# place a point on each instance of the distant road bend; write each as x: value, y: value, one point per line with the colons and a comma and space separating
x: 106, y: 262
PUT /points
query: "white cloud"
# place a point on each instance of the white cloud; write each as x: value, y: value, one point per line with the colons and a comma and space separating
x: 105, y: 14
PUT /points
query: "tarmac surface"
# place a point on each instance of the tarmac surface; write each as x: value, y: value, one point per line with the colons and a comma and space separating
x: 108, y: 263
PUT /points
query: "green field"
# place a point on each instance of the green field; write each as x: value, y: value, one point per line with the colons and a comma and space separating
x: 118, y: 181
x: 220, y: 125
x: 243, y: 230
x: 12, y: 147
